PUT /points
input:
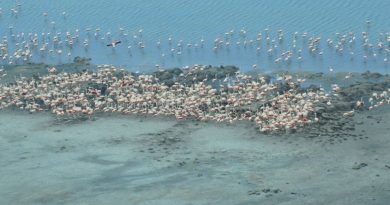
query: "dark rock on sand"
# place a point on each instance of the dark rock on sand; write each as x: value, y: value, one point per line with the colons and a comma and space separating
x: 265, y: 191
x: 98, y: 86
x: 35, y: 70
x: 319, y: 110
x: 358, y: 166
x: 369, y: 75
x: 343, y: 106
x: 314, y: 75
x: 81, y: 60
x: 312, y: 87
x: 70, y: 119
x: 356, y: 91
x: 194, y: 75
x: 254, y: 192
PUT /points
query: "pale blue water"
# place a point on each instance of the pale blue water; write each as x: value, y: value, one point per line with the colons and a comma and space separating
x: 191, y: 20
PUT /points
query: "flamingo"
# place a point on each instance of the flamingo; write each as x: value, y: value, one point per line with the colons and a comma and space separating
x: 113, y: 44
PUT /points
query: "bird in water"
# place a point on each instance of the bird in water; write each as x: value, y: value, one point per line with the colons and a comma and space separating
x: 113, y: 44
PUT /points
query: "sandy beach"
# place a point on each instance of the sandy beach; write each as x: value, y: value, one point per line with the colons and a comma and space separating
x: 132, y: 160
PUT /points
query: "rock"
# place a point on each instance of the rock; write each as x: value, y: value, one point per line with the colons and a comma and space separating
x: 358, y: 166
x: 266, y: 190
x: 319, y: 110
x: 313, y: 87
x: 176, y: 71
x: 328, y: 116
x: 182, y: 163
x: 40, y: 102
x: 79, y: 59
x: 359, y: 122
x: 169, y: 77
x: 275, y: 191
x: 314, y: 75
x: 343, y: 106
x: 253, y: 193
x: 369, y: 75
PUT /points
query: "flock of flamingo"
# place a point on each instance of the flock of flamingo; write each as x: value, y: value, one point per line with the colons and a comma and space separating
x: 281, y: 48
x: 236, y: 98
x: 239, y: 97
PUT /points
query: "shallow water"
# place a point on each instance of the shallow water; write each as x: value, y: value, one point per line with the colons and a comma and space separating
x: 122, y: 160
x: 191, y: 20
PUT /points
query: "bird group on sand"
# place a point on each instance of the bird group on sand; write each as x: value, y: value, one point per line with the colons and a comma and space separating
x: 236, y: 98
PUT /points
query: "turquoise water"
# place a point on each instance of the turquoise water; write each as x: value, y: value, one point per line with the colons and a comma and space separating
x: 190, y: 21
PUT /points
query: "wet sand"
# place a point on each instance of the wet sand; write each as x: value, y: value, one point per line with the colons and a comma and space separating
x: 133, y: 160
